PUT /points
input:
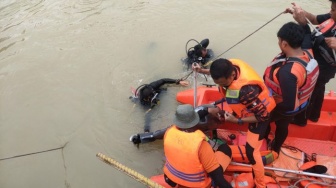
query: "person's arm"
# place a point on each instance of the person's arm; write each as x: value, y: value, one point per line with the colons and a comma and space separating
x: 212, y: 166
x: 307, y: 41
x: 288, y: 86
x: 218, y: 178
x: 248, y: 96
x: 158, y: 83
x: 196, y: 67
x: 311, y: 17
x: 297, y: 11
x: 148, y: 136
x: 321, y: 18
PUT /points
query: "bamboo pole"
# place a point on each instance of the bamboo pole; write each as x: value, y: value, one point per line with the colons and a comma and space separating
x: 132, y: 173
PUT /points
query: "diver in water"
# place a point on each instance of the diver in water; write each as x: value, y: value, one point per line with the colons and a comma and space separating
x: 148, y: 95
x: 198, y: 53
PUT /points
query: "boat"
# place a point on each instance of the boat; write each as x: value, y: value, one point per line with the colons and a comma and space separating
x: 315, y: 142
x: 324, y: 129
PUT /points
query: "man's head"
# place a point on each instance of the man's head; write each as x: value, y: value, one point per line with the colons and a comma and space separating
x: 146, y: 93
x: 222, y: 72
x: 290, y: 36
x: 333, y: 9
x: 200, y: 51
x: 186, y: 117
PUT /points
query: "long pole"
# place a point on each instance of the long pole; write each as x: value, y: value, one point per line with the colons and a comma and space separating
x: 290, y: 171
x: 195, y: 89
x: 135, y: 175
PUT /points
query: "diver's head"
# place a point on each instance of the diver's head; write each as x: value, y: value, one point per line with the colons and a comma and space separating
x: 148, y: 96
x: 200, y: 51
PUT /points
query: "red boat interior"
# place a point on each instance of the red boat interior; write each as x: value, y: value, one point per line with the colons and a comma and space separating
x: 324, y: 129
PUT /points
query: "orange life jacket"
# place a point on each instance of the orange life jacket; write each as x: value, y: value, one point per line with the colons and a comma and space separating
x: 182, y: 162
x: 246, y: 76
x: 327, y: 29
x: 243, y: 180
x: 307, y: 81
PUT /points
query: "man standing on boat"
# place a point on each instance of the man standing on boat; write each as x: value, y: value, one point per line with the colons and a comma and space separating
x: 190, y: 160
x: 291, y: 77
x: 324, y: 52
x: 251, y: 102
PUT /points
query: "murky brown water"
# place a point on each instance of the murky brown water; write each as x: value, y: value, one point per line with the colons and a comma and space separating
x: 67, y: 66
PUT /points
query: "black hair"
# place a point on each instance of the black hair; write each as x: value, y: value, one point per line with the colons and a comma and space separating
x: 201, y: 46
x: 198, y: 50
x: 332, y: 1
x: 221, y: 68
x: 146, y: 93
x: 292, y: 33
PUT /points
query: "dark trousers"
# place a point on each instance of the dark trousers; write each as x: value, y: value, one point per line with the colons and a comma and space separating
x: 281, y: 129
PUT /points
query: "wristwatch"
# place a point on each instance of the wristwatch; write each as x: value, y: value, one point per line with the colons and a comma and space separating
x: 240, y: 121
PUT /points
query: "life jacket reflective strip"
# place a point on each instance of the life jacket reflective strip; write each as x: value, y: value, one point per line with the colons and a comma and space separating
x: 320, y: 45
x: 305, y: 90
x: 246, y: 76
x: 182, y: 162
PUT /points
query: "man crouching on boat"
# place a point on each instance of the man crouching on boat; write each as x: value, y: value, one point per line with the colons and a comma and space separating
x: 251, y: 102
x: 190, y: 160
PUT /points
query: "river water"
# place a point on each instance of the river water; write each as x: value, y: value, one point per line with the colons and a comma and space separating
x: 67, y: 66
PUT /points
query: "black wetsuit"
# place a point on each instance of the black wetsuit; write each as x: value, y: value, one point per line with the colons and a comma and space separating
x: 327, y: 72
x: 158, y: 83
x: 195, y: 55
x: 156, y: 86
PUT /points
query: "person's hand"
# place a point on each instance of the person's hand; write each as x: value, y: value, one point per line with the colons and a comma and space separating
x: 299, y: 14
x: 135, y: 139
x: 196, y: 67
x: 213, y: 111
x: 288, y: 10
x: 184, y: 83
x: 229, y: 117
x: 331, y: 42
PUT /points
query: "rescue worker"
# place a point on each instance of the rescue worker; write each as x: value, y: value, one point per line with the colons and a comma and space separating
x: 148, y: 95
x: 190, y: 160
x: 251, y: 102
x: 324, y: 45
x: 291, y: 77
x: 198, y: 53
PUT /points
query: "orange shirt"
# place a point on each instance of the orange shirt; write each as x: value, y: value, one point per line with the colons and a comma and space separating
x: 207, y: 158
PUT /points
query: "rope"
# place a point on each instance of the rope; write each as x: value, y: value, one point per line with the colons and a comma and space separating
x: 209, y: 62
x: 16, y: 156
x: 133, y: 174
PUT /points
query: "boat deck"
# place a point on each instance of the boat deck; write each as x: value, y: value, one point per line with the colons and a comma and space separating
x: 324, y: 129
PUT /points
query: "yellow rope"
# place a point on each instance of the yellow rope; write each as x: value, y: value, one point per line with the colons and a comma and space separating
x: 208, y: 63
x: 132, y: 173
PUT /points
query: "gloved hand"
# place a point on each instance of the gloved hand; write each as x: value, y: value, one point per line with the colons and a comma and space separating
x: 202, y: 112
x: 135, y: 139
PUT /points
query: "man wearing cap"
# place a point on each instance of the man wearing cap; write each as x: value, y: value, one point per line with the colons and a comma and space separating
x: 190, y: 160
